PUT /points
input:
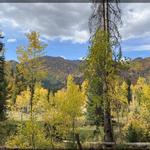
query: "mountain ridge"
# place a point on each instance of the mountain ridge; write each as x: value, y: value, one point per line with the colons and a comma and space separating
x: 59, y: 68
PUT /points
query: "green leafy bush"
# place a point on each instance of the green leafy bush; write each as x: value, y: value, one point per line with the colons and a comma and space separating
x: 133, y: 134
x: 136, y: 132
x: 29, y: 135
x: 7, y: 128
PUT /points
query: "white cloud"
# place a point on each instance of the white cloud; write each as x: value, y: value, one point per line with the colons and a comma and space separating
x: 78, y: 37
x: 62, y: 57
x: 136, y: 20
x: 69, y: 21
x: 81, y: 36
x: 11, y: 40
x: 81, y: 58
x: 64, y: 21
x: 145, y: 47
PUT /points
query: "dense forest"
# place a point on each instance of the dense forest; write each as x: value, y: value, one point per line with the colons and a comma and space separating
x: 100, y: 102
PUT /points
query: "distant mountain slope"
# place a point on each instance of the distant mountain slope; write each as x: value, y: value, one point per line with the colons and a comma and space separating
x: 140, y: 67
x: 59, y: 68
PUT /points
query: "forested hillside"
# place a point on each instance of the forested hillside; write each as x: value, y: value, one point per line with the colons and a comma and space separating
x: 100, y: 102
x: 59, y: 68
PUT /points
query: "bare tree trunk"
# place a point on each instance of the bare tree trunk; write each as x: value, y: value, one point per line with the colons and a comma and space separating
x: 78, y: 141
x: 73, y: 131
x: 32, y: 90
x: 107, y: 125
x: 48, y: 94
x: 108, y: 134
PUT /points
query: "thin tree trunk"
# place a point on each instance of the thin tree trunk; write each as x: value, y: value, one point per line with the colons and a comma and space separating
x: 78, y: 141
x: 108, y: 133
x: 32, y: 90
x: 48, y: 94
x: 108, y: 137
x: 73, y: 131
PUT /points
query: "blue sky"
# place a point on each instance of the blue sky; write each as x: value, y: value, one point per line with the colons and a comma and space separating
x: 64, y: 27
x: 66, y: 49
x: 69, y: 50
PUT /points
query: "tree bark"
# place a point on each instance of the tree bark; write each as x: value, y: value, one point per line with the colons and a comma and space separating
x: 73, y: 131
x: 32, y: 90
x: 78, y: 141
x: 108, y: 134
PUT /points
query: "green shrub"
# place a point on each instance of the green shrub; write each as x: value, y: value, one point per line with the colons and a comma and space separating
x: 7, y: 128
x: 136, y: 133
x: 29, y: 135
x: 133, y: 134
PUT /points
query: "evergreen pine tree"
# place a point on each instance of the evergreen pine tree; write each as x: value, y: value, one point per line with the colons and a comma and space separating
x: 129, y: 95
x: 2, y: 82
x: 94, y: 104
